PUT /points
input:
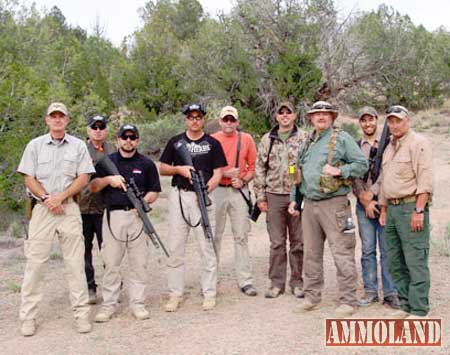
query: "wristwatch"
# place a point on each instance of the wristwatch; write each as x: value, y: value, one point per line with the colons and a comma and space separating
x: 419, y: 210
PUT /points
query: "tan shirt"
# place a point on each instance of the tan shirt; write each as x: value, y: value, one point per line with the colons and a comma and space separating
x: 55, y: 164
x: 406, y: 168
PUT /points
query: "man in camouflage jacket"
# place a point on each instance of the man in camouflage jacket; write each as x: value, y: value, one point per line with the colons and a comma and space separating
x: 274, y: 176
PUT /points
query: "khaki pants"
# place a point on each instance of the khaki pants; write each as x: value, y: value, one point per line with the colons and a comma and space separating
x: 126, y: 226
x: 44, y: 227
x: 230, y: 202
x: 322, y: 220
x: 178, y: 233
x: 281, y: 226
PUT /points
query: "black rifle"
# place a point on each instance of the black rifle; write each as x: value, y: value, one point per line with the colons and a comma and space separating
x: 136, y: 198
x: 200, y: 188
x: 376, y: 157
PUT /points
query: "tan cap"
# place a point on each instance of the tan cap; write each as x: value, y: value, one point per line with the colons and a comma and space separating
x: 323, y: 106
x: 286, y: 104
x: 57, y: 107
x: 367, y: 110
x: 229, y: 111
x: 397, y: 111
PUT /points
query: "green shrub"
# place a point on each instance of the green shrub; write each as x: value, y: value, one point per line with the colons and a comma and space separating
x: 352, y: 129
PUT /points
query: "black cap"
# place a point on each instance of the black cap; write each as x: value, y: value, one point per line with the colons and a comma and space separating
x: 194, y: 107
x: 97, y: 118
x: 127, y: 127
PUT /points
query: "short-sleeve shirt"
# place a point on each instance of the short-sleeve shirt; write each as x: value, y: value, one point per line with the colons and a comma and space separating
x: 206, y: 152
x: 55, y: 164
x: 140, y: 168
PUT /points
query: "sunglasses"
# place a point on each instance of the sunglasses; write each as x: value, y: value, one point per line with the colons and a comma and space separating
x: 229, y: 119
x: 196, y: 118
x: 99, y: 127
x: 283, y: 110
x: 131, y: 137
x: 397, y: 109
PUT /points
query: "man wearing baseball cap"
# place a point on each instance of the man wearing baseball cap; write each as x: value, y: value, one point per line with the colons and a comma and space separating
x: 327, y: 161
x: 232, y: 195
x: 274, y: 173
x: 91, y: 204
x: 122, y: 227
x: 405, y: 193
x: 371, y: 232
x: 56, y: 167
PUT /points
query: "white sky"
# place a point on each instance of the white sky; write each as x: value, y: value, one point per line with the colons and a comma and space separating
x: 120, y: 18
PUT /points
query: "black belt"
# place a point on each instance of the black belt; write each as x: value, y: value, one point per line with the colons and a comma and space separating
x: 123, y: 208
x: 224, y: 185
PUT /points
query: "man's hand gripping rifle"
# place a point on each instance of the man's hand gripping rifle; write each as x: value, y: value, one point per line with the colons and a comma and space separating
x: 136, y: 198
x: 201, y: 189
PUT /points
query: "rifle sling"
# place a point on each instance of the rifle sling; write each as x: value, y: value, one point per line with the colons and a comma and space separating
x: 183, y: 215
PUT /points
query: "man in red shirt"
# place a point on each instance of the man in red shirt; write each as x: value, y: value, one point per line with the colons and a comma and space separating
x: 232, y: 195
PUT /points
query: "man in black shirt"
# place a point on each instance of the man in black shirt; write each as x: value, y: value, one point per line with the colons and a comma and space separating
x: 122, y: 228
x: 184, y: 214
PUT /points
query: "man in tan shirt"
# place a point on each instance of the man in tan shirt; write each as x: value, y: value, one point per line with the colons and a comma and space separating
x: 406, y: 187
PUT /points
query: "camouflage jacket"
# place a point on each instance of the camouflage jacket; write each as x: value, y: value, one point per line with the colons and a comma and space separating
x: 276, y: 178
x: 92, y: 203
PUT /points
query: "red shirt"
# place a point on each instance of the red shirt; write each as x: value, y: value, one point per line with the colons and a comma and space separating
x: 247, y: 154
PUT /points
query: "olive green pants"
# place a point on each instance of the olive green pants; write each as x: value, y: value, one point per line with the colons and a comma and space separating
x: 408, y: 257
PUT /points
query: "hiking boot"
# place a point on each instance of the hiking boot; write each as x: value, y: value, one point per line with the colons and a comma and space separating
x: 28, y: 327
x: 368, y: 300
x: 140, y: 312
x: 306, y: 306
x: 273, y: 292
x: 172, y: 304
x: 298, y: 292
x: 344, y: 310
x: 92, y: 297
x: 209, y: 303
x: 399, y: 314
x: 392, y: 302
x: 104, y: 315
x: 83, y: 325
x: 249, y: 290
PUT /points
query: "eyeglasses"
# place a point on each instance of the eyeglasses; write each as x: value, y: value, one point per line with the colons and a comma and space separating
x: 322, y: 107
x: 99, y: 127
x: 397, y: 109
x: 196, y: 118
x: 132, y: 137
x: 229, y: 119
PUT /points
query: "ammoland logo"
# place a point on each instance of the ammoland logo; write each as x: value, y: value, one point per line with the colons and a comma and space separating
x: 383, y: 332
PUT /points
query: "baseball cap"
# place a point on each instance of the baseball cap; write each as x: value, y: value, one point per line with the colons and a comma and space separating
x: 127, y: 127
x: 397, y: 111
x: 194, y: 107
x: 57, y: 107
x: 286, y: 104
x: 93, y: 120
x: 367, y: 110
x: 323, y: 106
x: 229, y: 111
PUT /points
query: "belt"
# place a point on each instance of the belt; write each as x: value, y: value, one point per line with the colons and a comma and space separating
x: 123, y: 208
x: 225, y: 185
x: 400, y: 201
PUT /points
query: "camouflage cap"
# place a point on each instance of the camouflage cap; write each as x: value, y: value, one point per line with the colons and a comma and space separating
x: 367, y: 110
x: 229, y: 111
x: 397, y: 111
x: 323, y: 106
x: 286, y: 104
x: 57, y: 107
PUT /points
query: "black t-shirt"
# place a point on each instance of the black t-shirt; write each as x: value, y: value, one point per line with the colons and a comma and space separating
x: 139, y: 167
x: 206, y: 152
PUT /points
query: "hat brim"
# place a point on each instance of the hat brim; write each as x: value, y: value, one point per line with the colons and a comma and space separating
x: 333, y: 112
x: 400, y: 115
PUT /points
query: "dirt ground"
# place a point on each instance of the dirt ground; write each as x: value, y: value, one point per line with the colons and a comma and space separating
x: 239, y: 324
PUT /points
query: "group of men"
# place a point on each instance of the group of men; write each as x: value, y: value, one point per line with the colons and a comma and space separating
x: 321, y: 167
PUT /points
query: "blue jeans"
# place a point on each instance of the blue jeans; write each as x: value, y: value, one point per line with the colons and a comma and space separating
x: 370, y: 231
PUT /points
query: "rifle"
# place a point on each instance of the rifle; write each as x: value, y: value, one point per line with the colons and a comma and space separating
x: 375, y: 160
x: 136, y: 198
x: 200, y: 188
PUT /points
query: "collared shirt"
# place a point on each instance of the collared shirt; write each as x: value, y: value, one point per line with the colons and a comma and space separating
x: 92, y: 202
x: 406, y: 168
x: 55, y: 164
x: 311, y: 162
x: 359, y: 185
x: 247, y: 153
